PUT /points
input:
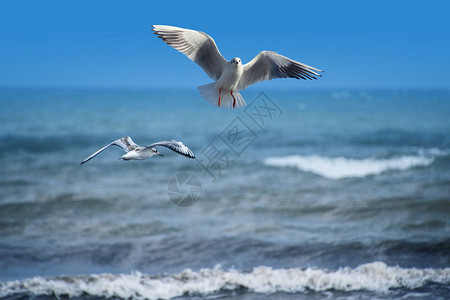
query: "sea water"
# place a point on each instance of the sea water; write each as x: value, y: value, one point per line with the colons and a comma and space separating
x: 327, y: 194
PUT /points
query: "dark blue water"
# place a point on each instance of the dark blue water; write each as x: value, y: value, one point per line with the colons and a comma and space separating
x: 304, y: 195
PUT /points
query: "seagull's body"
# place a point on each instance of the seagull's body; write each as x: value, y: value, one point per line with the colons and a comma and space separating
x: 136, y: 152
x: 229, y: 79
x: 230, y: 76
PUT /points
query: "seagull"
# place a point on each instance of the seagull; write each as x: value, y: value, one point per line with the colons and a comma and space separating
x: 230, y: 76
x: 134, y: 151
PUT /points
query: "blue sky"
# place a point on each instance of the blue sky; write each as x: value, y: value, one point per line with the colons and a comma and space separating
x: 360, y: 44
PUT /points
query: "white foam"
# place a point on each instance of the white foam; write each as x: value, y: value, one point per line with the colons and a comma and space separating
x: 375, y: 276
x: 341, y: 167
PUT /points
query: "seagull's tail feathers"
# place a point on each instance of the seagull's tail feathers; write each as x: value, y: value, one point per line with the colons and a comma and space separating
x: 211, y: 94
x: 234, y: 101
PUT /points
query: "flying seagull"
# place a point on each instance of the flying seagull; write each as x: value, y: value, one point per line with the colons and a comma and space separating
x: 230, y: 76
x: 134, y: 151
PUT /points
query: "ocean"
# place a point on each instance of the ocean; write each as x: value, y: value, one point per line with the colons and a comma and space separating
x: 336, y: 194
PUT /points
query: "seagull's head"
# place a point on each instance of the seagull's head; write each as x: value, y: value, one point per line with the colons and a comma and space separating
x: 155, y: 152
x: 236, y: 61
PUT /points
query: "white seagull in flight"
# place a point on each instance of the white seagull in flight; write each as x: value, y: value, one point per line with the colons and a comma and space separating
x: 137, y: 152
x: 230, y: 76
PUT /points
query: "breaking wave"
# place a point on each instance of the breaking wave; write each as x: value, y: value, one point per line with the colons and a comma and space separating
x: 376, y: 277
x: 341, y: 167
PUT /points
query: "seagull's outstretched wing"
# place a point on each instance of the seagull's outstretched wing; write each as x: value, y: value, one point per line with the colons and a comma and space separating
x: 196, y: 45
x: 176, y: 146
x: 268, y: 65
x: 126, y: 143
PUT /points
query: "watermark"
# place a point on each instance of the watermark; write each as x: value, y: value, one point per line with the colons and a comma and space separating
x: 213, y: 160
x: 262, y: 111
x: 222, y: 152
x: 184, y: 189
x: 237, y: 136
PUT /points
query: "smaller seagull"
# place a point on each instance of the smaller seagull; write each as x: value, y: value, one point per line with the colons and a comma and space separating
x: 232, y: 76
x: 134, y: 151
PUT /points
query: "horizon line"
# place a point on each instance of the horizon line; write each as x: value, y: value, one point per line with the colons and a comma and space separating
x: 30, y: 87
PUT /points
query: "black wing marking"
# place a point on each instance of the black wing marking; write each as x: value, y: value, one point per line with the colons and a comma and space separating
x: 268, y: 65
x: 175, y: 146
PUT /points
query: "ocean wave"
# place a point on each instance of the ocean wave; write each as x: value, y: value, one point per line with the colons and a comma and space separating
x: 375, y: 277
x: 341, y: 167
